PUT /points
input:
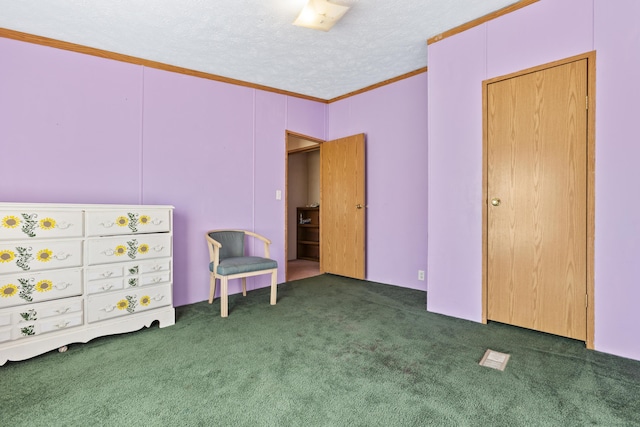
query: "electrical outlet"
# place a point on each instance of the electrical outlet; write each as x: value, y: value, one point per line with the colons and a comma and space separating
x: 420, y: 274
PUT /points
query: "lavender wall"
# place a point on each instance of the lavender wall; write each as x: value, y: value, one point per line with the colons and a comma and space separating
x: 198, y: 156
x: 455, y: 174
x: 617, y: 270
x: 542, y: 32
x: 393, y: 117
x: 69, y: 127
x: 80, y: 129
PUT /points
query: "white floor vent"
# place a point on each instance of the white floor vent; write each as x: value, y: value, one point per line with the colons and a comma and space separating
x: 495, y: 360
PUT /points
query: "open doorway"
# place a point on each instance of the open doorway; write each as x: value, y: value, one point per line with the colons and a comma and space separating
x: 302, y: 200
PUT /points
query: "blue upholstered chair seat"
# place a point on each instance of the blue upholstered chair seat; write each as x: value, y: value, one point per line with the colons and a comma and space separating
x: 243, y: 264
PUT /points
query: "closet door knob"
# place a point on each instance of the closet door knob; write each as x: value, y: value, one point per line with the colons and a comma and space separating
x: 495, y: 202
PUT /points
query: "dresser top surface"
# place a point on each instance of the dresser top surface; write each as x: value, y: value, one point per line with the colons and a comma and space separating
x: 74, y: 206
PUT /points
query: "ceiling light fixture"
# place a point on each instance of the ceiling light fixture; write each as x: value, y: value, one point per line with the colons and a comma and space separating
x: 320, y: 15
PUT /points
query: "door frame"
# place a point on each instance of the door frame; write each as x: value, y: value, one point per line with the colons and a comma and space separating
x: 288, y: 151
x: 590, y: 208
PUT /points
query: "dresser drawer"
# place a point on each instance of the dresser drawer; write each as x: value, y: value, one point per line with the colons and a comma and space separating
x: 107, y: 285
x: 46, y: 317
x: 129, y: 221
x: 155, y: 266
x: 61, y: 323
x: 152, y: 266
x: 130, y: 301
x: 20, y: 224
x: 38, y: 328
x: 39, y: 255
x: 127, y: 248
x: 155, y: 278
x: 47, y: 310
x: 147, y: 272
x: 63, y: 307
x: 27, y: 288
x: 101, y: 273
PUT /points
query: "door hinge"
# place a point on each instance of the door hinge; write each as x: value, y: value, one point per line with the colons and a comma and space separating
x: 586, y: 301
x: 587, y: 99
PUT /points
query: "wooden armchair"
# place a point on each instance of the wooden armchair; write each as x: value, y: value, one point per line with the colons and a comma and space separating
x: 228, y: 261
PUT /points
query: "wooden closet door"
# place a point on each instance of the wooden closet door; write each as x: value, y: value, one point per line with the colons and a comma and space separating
x: 537, y: 200
x: 342, y: 207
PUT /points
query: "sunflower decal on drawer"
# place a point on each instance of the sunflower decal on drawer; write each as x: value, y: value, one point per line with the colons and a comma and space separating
x: 123, y: 304
x: 122, y: 221
x: 47, y: 223
x: 128, y: 303
x: 25, y: 288
x: 21, y: 255
x: 10, y: 221
x: 133, y: 249
x: 44, y: 255
x: 29, y: 223
x: 6, y: 255
x: 8, y: 290
x: 44, y: 286
x: 133, y: 220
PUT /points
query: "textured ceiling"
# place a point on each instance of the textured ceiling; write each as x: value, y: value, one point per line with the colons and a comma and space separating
x: 254, y: 40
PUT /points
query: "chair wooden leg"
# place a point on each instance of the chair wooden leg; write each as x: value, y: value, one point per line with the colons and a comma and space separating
x: 224, y: 297
x: 212, y: 287
x: 274, y: 287
x: 244, y: 286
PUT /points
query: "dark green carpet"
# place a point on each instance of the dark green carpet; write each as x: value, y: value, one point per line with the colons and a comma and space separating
x: 332, y: 352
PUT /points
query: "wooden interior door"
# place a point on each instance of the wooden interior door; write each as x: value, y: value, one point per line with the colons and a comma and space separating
x: 537, y: 200
x: 342, y: 207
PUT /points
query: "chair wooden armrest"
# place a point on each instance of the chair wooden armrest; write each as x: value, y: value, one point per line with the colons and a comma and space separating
x: 266, y: 241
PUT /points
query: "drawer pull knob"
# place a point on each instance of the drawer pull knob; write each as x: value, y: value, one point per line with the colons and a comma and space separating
x: 62, y: 256
x: 156, y: 267
x: 106, y: 286
x: 108, y: 308
x: 158, y: 297
x: 63, y: 225
x: 63, y: 324
x: 107, y: 274
x: 62, y: 285
x: 156, y: 279
x: 107, y: 224
x: 62, y: 310
x: 158, y: 248
x: 109, y: 252
x: 156, y: 221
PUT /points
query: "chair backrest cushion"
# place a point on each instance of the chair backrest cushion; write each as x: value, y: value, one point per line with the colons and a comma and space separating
x: 232, y: 243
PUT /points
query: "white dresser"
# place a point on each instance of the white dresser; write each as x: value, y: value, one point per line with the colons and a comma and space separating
x: 71, y: 273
